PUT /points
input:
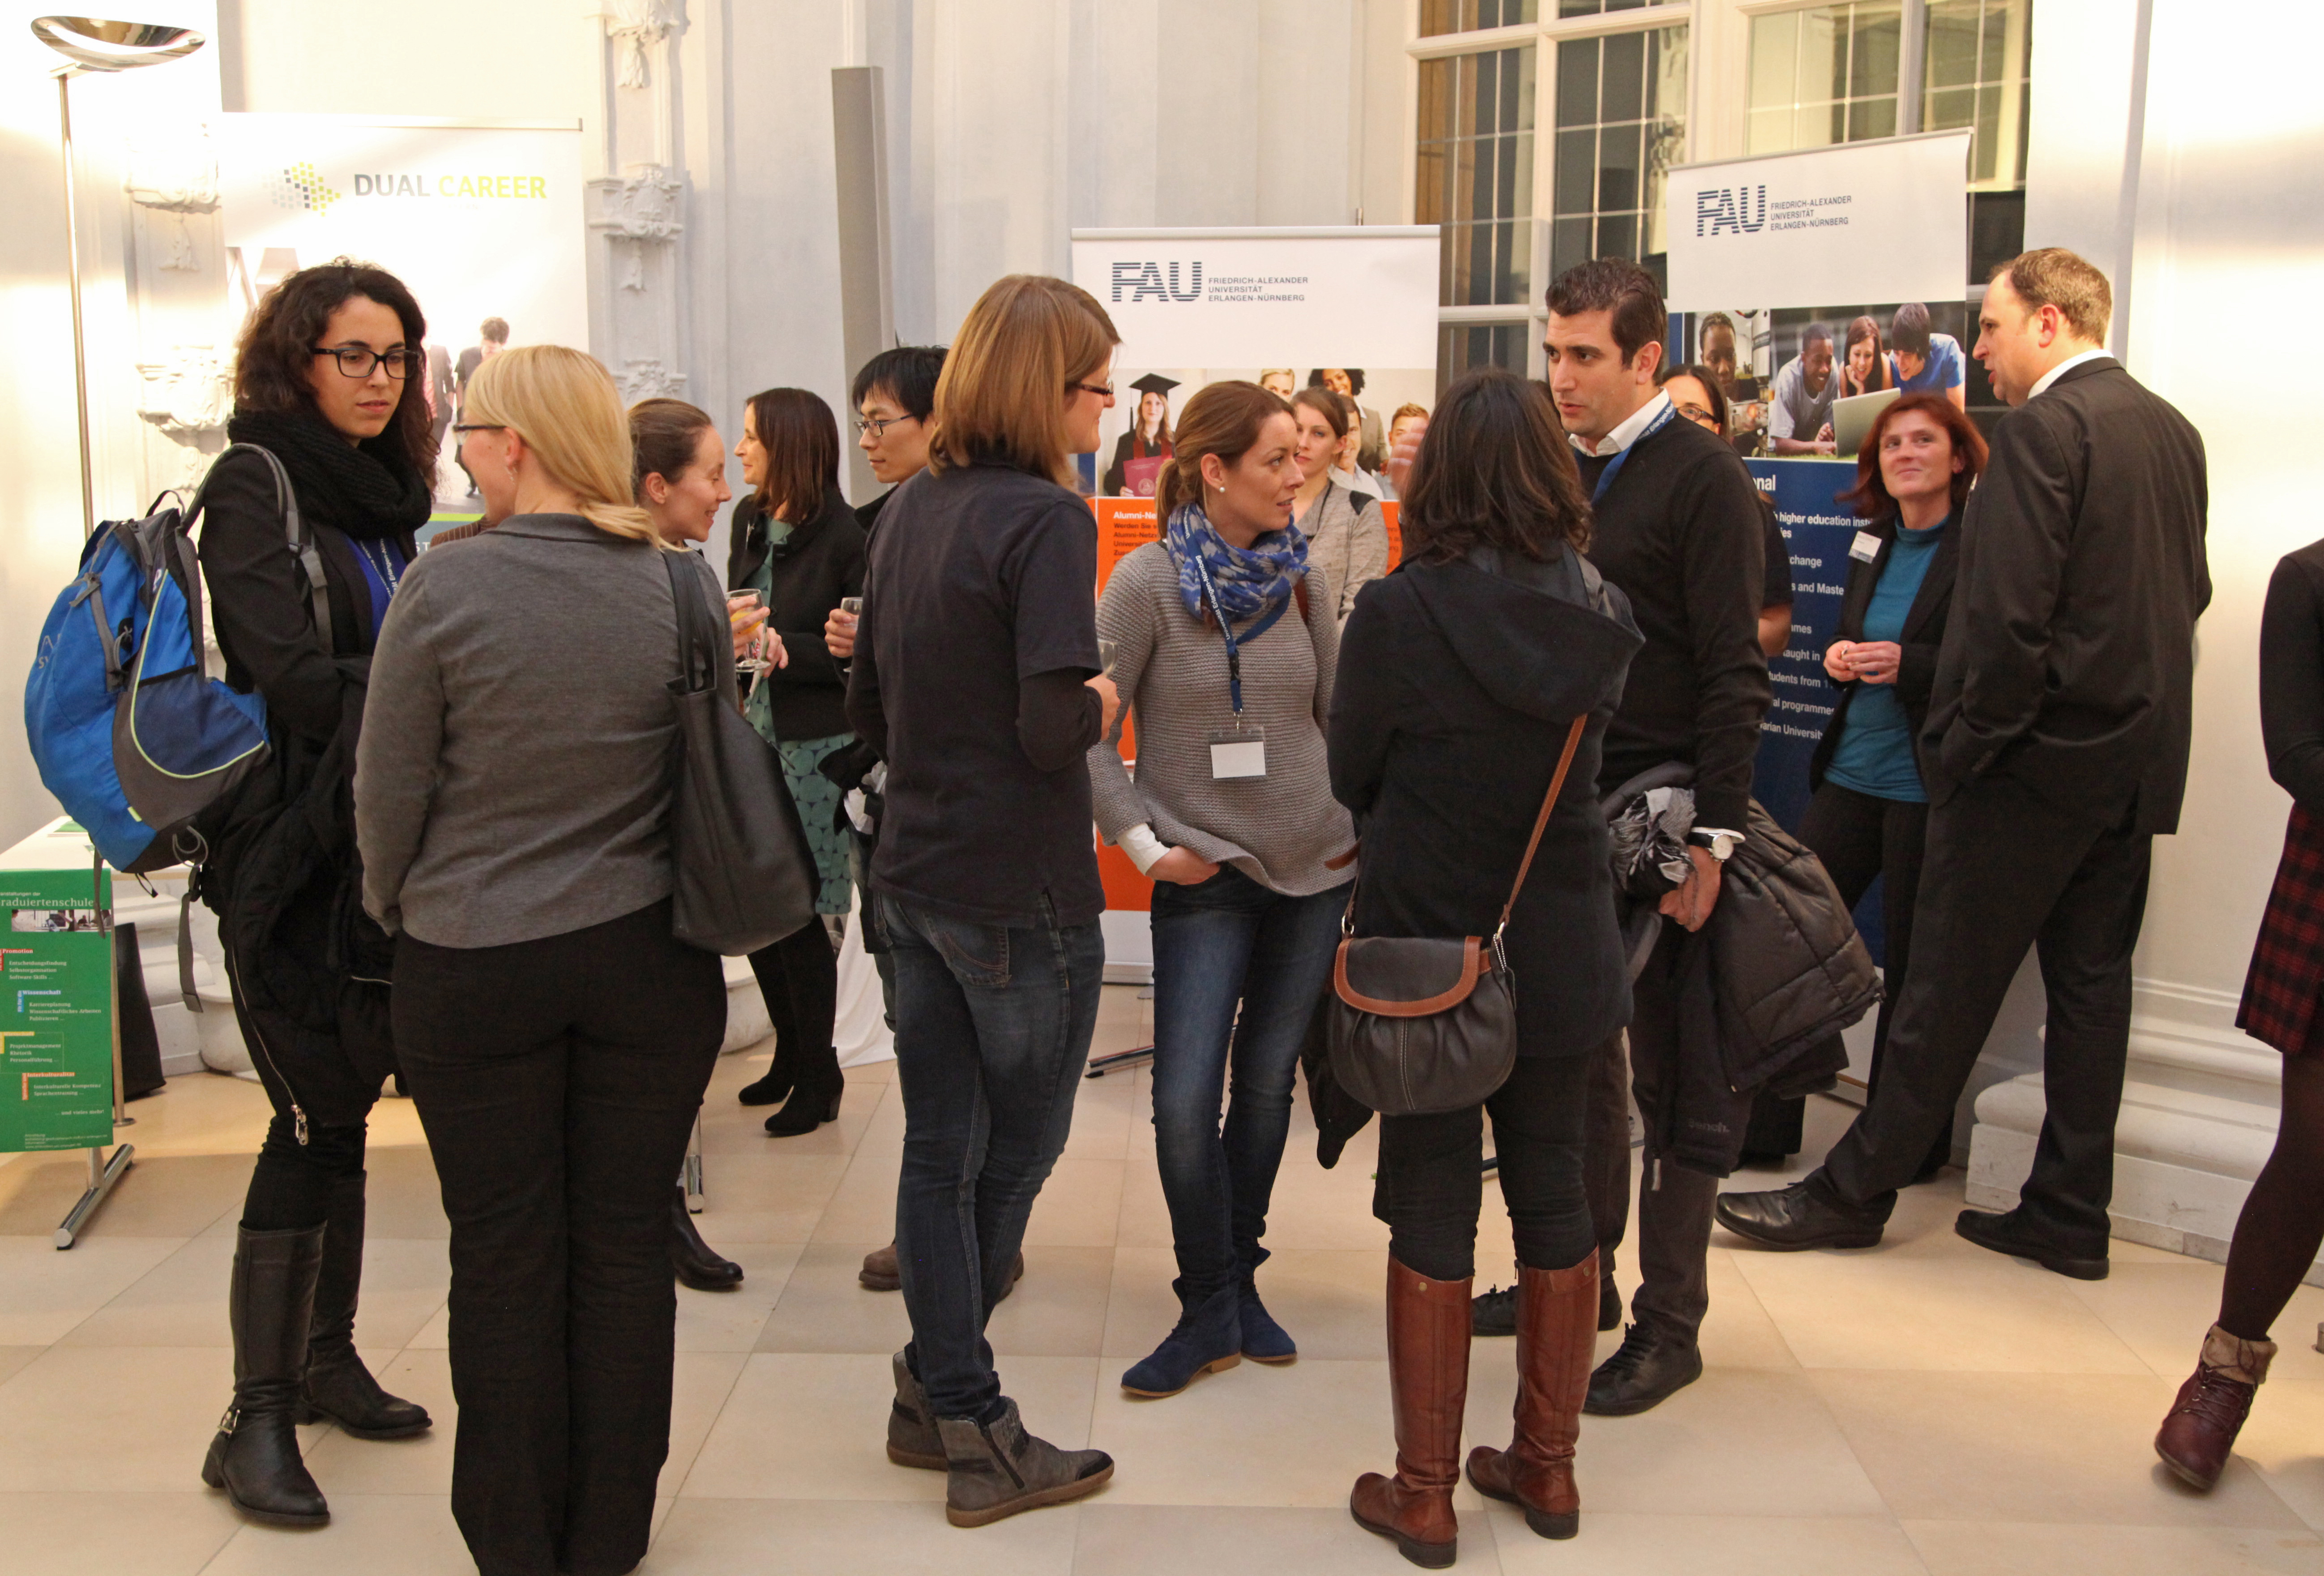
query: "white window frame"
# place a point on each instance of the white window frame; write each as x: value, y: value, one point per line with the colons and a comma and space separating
x: 1544, y: 35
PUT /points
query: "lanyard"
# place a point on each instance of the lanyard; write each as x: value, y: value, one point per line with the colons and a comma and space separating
x: 1614, y: 465
x: 389, y: 575
x: 1234, y: 655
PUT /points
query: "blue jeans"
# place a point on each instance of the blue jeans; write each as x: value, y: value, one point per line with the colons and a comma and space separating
x: 1225, y: 942
x: 993, y: 1031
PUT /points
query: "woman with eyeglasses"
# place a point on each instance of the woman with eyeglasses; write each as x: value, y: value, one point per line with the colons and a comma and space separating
x: 329, y: 379
x: 797, y: 544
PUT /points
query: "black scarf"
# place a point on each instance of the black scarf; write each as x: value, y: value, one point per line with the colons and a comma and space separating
x: 368, y: 490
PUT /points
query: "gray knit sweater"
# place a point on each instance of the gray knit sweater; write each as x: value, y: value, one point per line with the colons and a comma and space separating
x: 1350, y: 549
x: 1172, y: 670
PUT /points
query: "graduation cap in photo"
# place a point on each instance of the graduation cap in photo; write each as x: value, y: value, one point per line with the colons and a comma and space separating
x: 1154, y: 383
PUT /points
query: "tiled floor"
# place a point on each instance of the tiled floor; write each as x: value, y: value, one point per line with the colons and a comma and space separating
x: 1923, y: 1407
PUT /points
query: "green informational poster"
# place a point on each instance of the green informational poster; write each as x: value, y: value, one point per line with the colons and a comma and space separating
x: 56, y: 999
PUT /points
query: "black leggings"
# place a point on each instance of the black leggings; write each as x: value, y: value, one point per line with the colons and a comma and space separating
x: 1430, y: 1186
x: 290, y: 1186
x: 798, y: 976
x: 2282, y: 1221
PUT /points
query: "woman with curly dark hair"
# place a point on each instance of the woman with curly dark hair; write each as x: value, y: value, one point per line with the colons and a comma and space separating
x: 330, y: 380
x: 1462, y: 676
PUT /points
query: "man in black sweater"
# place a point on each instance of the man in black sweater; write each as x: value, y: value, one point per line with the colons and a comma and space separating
x: 1679, y: 530
x: 2055, y: 750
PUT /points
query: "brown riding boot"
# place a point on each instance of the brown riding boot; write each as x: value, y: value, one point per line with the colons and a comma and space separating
x: 1557, y: 1338
x: 2198, y: 1434
x: 1428, y: 1379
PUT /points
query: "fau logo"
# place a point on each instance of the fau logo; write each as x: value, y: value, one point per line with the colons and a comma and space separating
x: 1727, y: 210
x: 1146, y: 281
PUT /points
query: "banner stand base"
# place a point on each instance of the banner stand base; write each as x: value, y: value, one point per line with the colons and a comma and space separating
x: 102, y: 1174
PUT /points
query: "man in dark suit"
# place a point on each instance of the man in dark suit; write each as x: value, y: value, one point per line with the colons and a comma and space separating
x: 2056, y: 749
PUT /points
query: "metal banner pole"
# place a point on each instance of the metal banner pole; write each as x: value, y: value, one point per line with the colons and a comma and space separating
x: 103, y: 1171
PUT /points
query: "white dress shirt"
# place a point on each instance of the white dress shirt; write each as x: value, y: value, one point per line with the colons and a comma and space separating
x: 1628, y: 432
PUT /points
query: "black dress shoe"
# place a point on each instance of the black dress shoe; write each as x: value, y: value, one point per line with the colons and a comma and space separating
x: 2006, y: 1234
x: 698, y: 1264
x: 1494, y: 1311
x: 1649, y: 1369
x: 1807, y: 1214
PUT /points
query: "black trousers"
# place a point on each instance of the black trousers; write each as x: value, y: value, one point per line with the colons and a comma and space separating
x: 2004, y: 871
x: 296, y: 1181
x: 558, y: 1080
x: 1859, y: 839
x: 1430, y: 1186
x: 1674, y: 1203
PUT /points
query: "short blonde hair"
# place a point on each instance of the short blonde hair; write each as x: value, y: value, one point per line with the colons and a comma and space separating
x: 565, y: 408
x: 1008, y: 377
x: 2053, y: 276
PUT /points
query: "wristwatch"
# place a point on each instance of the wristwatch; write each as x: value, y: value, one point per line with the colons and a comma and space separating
x: 1717, y: 842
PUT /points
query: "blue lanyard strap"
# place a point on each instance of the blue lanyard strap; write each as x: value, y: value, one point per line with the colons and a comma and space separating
x: 1234, y: 652
x: 1614, y: 465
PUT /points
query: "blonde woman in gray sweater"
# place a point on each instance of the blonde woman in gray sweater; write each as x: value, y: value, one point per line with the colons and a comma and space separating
x: 1225, y: 644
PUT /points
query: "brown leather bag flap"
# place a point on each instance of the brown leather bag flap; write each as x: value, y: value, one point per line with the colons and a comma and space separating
x: 1398, y: 977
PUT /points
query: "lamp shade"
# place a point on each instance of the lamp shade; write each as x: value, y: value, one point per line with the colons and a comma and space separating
x: 95, y: 44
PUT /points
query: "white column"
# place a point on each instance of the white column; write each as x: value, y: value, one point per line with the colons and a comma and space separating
x: 2201, y: 203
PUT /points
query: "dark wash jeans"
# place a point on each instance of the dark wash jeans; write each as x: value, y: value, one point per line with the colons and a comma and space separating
x: 1228, y: 941
x: 992, y: 1030
x: 558, y: 1080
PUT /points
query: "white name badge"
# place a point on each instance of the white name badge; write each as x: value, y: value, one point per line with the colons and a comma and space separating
x: 1238, y: 753
x: 1865, y: 547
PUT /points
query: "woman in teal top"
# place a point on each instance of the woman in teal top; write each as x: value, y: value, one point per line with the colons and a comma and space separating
x: 797, y: 544
x: 1869, y: 812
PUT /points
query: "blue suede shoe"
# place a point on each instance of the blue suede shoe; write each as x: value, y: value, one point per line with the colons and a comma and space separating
x: 1208, y: 1337
x: 1263, y: 1339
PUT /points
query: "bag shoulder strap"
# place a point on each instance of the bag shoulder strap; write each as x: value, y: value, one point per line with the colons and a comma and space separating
x: 300, y: 541
x: 1541, y: 821
x: 697, y: 660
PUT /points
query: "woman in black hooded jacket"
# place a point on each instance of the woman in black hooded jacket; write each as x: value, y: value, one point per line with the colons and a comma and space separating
x: 1460, y: 677
x: 331, y: 380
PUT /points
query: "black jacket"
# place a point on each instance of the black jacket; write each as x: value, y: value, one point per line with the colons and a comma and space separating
x: 2070, y: 659
x: 1923, y: 634
x: 1456, y: 688
x: 821, y: 562
x: 283, y: 877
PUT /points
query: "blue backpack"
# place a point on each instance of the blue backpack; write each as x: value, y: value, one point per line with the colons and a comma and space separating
x: 128, y: 729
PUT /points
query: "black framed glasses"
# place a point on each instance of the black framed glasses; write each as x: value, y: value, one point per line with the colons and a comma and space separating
x: 462, y: 429
x: 357, y: 360
x: 1104, y: 391
x: 878, y: 425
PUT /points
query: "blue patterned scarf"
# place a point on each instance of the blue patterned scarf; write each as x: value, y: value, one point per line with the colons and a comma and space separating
x: 1250, y: 582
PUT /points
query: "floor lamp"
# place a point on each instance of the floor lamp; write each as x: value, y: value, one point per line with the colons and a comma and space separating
x: 90, y: 44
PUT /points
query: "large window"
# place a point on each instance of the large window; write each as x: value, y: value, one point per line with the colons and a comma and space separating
x: 1824, y: 75
x: 1877, y: 68
x: 1619, y: 130
x: 1609, y: 93
x: 1476, y: 172
x: 1975, y: 76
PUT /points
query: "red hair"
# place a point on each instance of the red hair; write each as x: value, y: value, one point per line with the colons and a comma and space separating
x: 1870, y: 498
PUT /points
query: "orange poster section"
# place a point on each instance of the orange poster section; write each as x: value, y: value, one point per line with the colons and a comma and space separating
x: 1123, y: 526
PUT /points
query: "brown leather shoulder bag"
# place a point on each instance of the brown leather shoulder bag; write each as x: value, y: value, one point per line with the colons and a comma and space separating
x: 1421, y: 1025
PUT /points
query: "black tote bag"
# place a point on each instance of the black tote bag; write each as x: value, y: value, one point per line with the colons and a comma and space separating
x: 744, y: 876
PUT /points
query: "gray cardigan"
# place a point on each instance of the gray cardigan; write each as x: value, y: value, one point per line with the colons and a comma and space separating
x: 1172, y: 670
x: 513, y: 777
x: 1350, y: 549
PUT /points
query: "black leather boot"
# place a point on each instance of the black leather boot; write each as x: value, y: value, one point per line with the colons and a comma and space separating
x: 698, y: 1264
x: 338, y: 1388
x: 815, y: 1098
x: 256, y: 1456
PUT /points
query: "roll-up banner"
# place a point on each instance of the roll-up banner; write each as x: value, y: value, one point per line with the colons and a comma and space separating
x: 480, y: 220
x: 1351, y: 308
x: 1799, y: 283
